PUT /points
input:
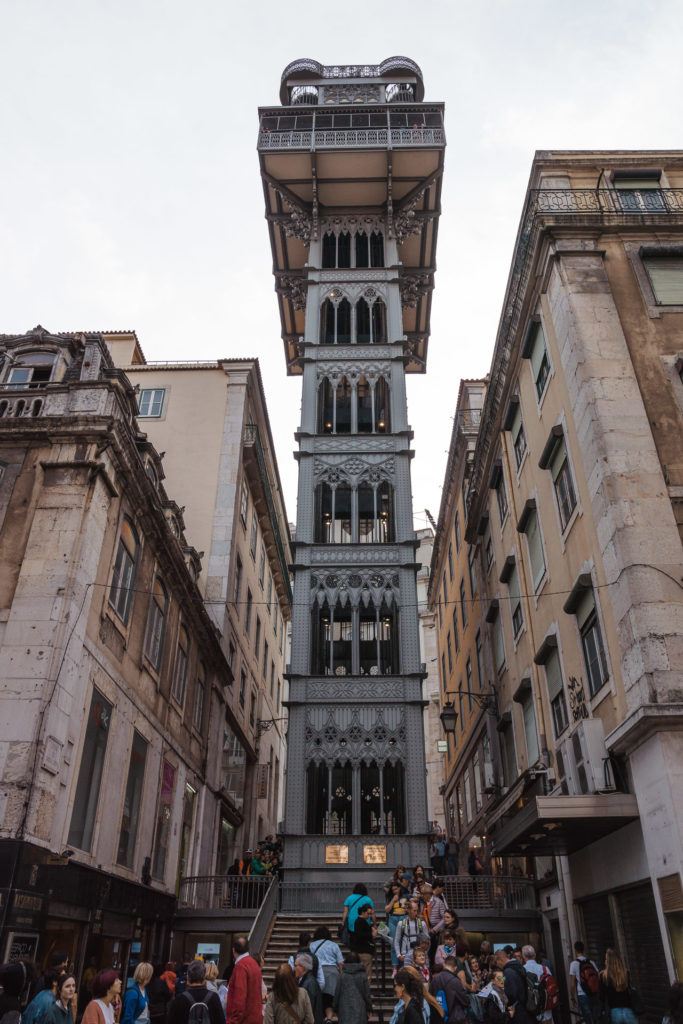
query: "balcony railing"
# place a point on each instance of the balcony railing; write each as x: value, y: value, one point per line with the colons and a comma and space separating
x: 352, y: 138
x: 252, y: 438
x: 489, y: 892
x: 223, y: 892
x: 603, y: 200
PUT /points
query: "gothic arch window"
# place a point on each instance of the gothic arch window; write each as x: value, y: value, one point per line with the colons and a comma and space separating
x: 379, y: 322
x: 334, y: 514
x: 375, y: 513
x: 394, y: 799
x: 370, y: 799
x: 329, y: 254
x: 344, y: 250
x: 365, y: 403
x: 328, y: 317
x: 363, y: 323
x: 362, y: 249
x: 335, y: 406
x: 343, y: 333
x: 378, y: 639
x: 376, y: 249
x: 333, y: 640
x: 329, y: 803
x: 336, y: 250
x: 371, y: 322
x: 335, y: 320
x: 317, y: 797
x: 382, y: 411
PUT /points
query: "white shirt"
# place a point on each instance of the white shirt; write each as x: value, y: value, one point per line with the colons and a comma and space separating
x: 533, y: 967
x: 575, y: 972
x: 107, y: 1011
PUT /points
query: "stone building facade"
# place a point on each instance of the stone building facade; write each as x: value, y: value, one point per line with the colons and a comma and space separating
x: 113, y: 683
x: 434, y: 755
x: 224, y: 474
x: 573, y: 504
x: 351, y: 164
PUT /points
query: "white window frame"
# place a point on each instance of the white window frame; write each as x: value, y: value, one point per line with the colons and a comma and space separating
x: 150, y: 414
x: 536, y: 581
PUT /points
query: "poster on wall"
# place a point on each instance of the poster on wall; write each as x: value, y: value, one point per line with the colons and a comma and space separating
x: 21, y: 946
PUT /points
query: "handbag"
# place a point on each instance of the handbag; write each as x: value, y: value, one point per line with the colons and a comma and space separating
x: 344, y: 932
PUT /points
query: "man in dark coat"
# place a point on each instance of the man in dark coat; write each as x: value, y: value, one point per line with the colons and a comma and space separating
x: 457, y: 996
x: 303, y: 969
x: 515, y: 990
x: 196, y: 992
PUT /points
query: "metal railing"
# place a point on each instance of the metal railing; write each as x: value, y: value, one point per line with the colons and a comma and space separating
x: 323, y: 897
x: 489, y: 892
x: 260, y: 929
x: 352, y: 138
x: 252, y: 438
x: 223, y: 892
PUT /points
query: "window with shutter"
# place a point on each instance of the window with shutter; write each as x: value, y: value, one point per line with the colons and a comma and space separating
x: 518, y: 437
x: 591, y: 642
x: 666, y: 278
x: 530, y: 732
x: 515, y: 603
x: 558, y: 703
x: 640, y: 194
x: 540, y: 363
x: 498, y: 644
x: 563, y: 483
x: 535, y: 545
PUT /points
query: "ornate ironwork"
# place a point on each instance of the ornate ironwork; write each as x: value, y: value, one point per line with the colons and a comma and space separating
x: 352, y: 138
x: 304, y: 64
x: 414, y: 287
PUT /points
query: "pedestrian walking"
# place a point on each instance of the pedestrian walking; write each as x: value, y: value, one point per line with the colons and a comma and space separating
x: 363, y: 938
x: 352, y: 904
x: 516, y: 991
x: 408, y: 989
x: 196, y: 1004
x: 245, y: 992
x: 303, y: 969
x: 287, y: 1003
x: 495, y: 1000
x: 408, y: 932
x: 352, y: 1000
x: 450, y: 992
x: 395, y: 910
x: 331, y: 959
x: 37, y: 1009
x: 544, y: 980
x: 61, y: 1011
x: 105, y: 989
x: 136, y: 1000
x: 620, y: 1001
x: 586, y: 983
x: 305, y: 947
x: 159, y: 996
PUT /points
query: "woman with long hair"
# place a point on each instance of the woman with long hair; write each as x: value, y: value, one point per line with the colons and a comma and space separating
x: 62, y: 1009
x: 287, y: 1003
x: 410, y: 989
x: 136, y: 1000
x: 105, y: 987
x: 615, y: 991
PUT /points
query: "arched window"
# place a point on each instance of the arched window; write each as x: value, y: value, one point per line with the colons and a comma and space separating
x: 378, y: 628
x: 339, y: 820
x: 376, y: 249
x: 329, y: 250
x: 344, y: 250
x: 379, y: 322
x: 362, y: 249
x: 394, y: 798
x: 333, y: 514
x: 179, y: 686
x: 344, y: 394
x: 334, y: 407
x: 382, y: 407
x: 156, y: 620
x: 370, y: 799
x: 317, y: 797
x: 32, y: 370
x: 344, y: 322
x: 332, y: 641
x: 363, y: 323
x: 365, y: 406
x: 328, y: 316
x: 123, y: 578
x: 385, y: 506
x: 326, y: 407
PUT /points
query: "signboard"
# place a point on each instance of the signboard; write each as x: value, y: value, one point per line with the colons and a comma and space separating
x: 442, y: 746
x: 337, y: 854
x: 261, y: 781
x: 21, y: 946
x: 375, y: 854
x: 208, y: 948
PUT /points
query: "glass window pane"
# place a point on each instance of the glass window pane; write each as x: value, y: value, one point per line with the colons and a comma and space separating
x: 132, y: 801
x: 164, y: 816
x: 90, y: 773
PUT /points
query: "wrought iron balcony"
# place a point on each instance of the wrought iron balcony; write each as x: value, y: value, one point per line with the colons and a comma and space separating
x: 223, y: 892
x: 581, y: 201
x: 352, y: 138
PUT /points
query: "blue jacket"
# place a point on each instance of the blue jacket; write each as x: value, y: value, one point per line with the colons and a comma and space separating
x: 134, y: 1002
x: 38, y: 1007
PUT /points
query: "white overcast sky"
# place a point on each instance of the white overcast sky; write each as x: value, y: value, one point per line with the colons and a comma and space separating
x: 129, y: 184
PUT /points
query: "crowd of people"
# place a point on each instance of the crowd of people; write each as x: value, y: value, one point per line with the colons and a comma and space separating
x: 437, y: 977
x: 265, y: 859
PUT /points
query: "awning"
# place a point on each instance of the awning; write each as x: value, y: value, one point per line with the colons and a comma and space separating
x: 556, y: 825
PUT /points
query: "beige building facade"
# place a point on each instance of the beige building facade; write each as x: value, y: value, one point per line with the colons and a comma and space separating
x: 211, y: 422
x: 434, y: 741
x: 573, y: 507
x: 113, y: 683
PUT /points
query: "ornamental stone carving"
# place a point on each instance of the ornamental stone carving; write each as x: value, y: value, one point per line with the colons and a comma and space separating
x: 295, y: 289
x: 406, y: 223
x: 353, y: 587
x: 352, y: 274
x: 353, y: 371
x: 327, y: 353
x: 390, y: 554
x: 354, y: 291
x: 333, y: 689
x: 358, y: 735
x: 371, y: 443
x: 354, y: 470
x: 414, y: 287
x: 337, y: 225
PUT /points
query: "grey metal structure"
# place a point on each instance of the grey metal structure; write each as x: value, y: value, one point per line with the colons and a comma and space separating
x: 351, y: 166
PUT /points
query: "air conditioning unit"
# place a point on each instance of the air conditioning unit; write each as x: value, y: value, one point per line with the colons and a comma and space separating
x: 585, y: 759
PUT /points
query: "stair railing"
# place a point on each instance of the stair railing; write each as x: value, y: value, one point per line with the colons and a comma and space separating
x: 260, y: 929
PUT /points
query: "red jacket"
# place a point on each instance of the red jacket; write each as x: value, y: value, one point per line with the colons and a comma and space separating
x: 245, y: 1004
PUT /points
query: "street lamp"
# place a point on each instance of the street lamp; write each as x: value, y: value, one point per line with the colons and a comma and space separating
x: 485, y: 701
x: 449, y: 717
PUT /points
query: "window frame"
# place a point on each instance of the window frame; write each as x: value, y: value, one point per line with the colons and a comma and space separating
x: 150, y: 415
x: 198, y: 707
x: 154, y: 652
x: 181, y: 665
x: 244, y: 503
x: 122, y: 609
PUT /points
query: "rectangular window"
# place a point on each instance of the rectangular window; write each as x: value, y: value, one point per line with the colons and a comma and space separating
x: 90, y: 773
x: 540, y: 364
x: 265, y: 661
x: 518, y: 437
x: 502, y: 499
x: 563, y: 483
x: 282, y: 633
x: 250, y: 606
x: 277, y: 700
x: 234, y: 768
x: 254, y: 534
x: 450, y: 652
x: 530, y: 733
x: 641, y: 194
x: 154, y: 632
x: 488, y: 547
x: 262, y: 565
x: 272, y: 680
x: 666, y: 278
x: 444, y: 589
x: 269, y: 593
x: 535, y: 547
x: 480, y: 676
x: 461, y: 709
x: 591, y: 643
x: 151, y: 402
x: 508, y: 756
x: 199, y: 697
x: 231, y: 655
x: 515, y: 603
x: 444, y: 677
x: 463, y: 609
x: 498, y: 643
x: 252, y: 710
x: 558, y: 703
x: 243, y: 687
x: 456, y: 635
x: 468, y: 796
x: 164, y: 820
x: 237, y: 587
x: 472, y: 566
x: 122, y: 591
x: 458, y: 539
x: 244, y: 503
x: 257, y: 638
x: 451, y: 567
x: 468, y: 673
x: 180, y: 674
x: 132, y: 801
x: 476, y: 775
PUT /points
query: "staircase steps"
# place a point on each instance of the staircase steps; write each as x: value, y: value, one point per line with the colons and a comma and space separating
x: 284, y: 941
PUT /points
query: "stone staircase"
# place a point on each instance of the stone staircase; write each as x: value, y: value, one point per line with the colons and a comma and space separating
x: 284, y: 940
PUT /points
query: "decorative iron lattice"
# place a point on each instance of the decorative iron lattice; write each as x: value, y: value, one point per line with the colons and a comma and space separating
x: 355, y: 587
x: 356, y: 735
x: 359, y: 138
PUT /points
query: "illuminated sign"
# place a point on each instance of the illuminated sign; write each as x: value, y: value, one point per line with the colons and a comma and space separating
x: 338, y: 854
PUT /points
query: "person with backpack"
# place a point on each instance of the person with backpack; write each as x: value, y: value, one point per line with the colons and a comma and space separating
x: 352, y: 904
x: 305, y: 947
x: 287, y: 1003
x: 197, y: 1004
x: 303, y: 970
x: 522, y: 991
x: 450, y: 992
x: 491, y: 1004
x: 352, y: 1000
x: 159, y: 995
x: 549, y: 990
x: 15, y: 977
x: 408, y: 932
x: 586, y: 982
x: 330, y: 958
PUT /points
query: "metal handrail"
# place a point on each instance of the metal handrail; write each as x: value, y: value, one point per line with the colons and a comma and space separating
x: 223, y: 892
x: 343, y: 138
x: 260, y: 929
